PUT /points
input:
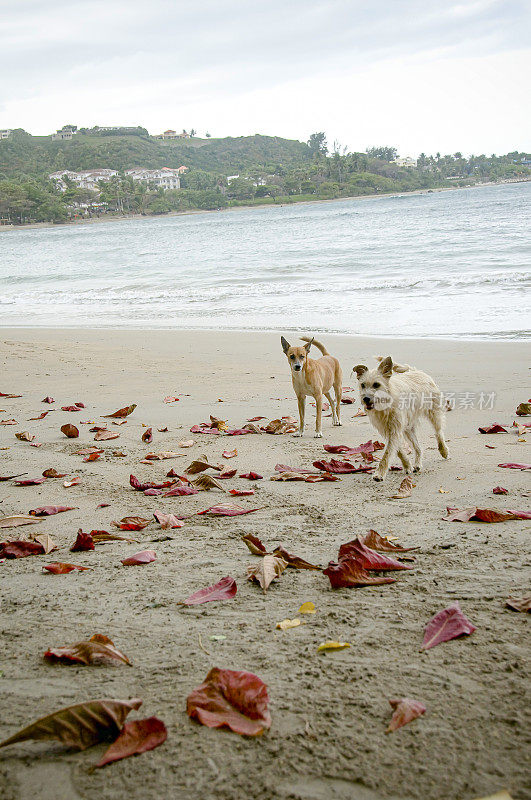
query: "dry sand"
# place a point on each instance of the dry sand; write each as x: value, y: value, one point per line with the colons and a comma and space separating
x: 329, y: 710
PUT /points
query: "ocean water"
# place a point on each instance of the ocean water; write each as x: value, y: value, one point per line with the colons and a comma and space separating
x: 445, y: 264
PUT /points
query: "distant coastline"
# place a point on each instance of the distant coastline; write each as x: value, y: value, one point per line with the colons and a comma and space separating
x: 108, y: 217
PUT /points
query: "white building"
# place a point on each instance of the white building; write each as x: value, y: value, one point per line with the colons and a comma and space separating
x: 87, y: 179
x: 61, y: 135
x: 164, y: 178
x: 405, y: 161
x: 6, y: 133
x: 231, y: 178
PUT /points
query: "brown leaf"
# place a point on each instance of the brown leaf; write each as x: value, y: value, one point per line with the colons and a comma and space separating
x: 63, y: 568
x: 405, y: 710
x: 48, y: 511
x: 41, y: 416
x: 102, y: 537
x: 373, y: 540
x: 84, y: 541
x: 122, y: 412
x: 20, y: 549
x: 254, y: 544
x: 17, y: 520
x: 70, y: 431
x: 87, y: 451
x: 147, y: 436
x: 524, y: 409
x: 405, y: 489
x: 79, y: 726
x: 131, y: 523
x: 483, y: 515
x: 136, y: 737
x: 48, y: 399
x: 236, y: 700
x: 162, y: 456
x: 167, y: 521
x: 72, y: 482
x: 348, y: 572
x: 200, y: 465
x: 30, y: 481
x: 25, y: 436
x: 52, y: 473
x: 269, y: 568
x: 103, y: 436
x: 45, y: 540
x: 90, y: 653
x: 206, y: 482
x: 230, y: 453
x: 519, y: 604
x: 293, y: 561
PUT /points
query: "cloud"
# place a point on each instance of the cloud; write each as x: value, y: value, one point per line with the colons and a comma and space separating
x: 219, y: 64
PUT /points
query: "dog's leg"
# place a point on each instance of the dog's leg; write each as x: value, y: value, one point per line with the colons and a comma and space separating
x: 319, y: 411
x: 411, y: 435
x: 335, y: 420
x: 394, y: 435
x: 405, y: 461
x: 302, y: 403
x: 436, y: 417
x: 338, y: 389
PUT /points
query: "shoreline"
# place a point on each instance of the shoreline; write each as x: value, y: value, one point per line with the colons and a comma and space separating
x: 146, y: 217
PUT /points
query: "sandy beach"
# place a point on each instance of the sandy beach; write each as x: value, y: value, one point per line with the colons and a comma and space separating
x: 329, y: 710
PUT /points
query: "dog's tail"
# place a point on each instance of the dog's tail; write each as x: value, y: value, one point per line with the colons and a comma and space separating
x: 319, y: 346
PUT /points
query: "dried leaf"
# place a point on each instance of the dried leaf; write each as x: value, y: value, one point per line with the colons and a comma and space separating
x: 500, y: 490
x: 241, y: 492
x: 81, y: 725
x: 286, y: 624
x: 494, y: 428
x: 131, y: 523
x: 62, y: 568
x: 524, y: 409
x: 171, y: 399
x: 332, y: 646
x: 41, y: 416
x: 16, y: 521
x: 70, y: 431
x: 236, y: 700
x: 141, y: 487
x: 103, y: 436
x: 186, y: 443
x: 87, y: 451
x: 48, y: 511
x: 93, y: 652
x: 122, y: 412
x: 71, y: 408
x: 225, y: 474
x: 225, y: 589
x: 8, y: 422
x: 143, y: 557
x: 293, y: 561
x: 307, y: 608
x: 366, y: 448
x: 20, y: 549
x: 147, y: 436
x: 30, y: 482
x: 254, y: 544
x: 181, y: 491
x: 45, y: 540
x: 348, y: 572
x: 200, y: 465
x: 269, y: 568
x: 226, y: 510
x: 519, y: 604
x: 136, y: 737
x: 206, y: 482
x: 405, y: 489
x: 445, y: 625
x: 373, y: 540
x: 102, y: 537
x: 93, y: 456
x: 52, y: 473
x: 251, y: 476
x: 483, y: 515
x: 162, y: 456
x: 167, y: 521
x: 48, y: 399
x: 230, y: 453
x: 72, y: 482
x: 515, y: 466
x: 405, y: 710
x: 367, y: 558
x: 341, y: 467
x: 161, y: 430
x: 25, y: 436
x: 84, y: 541
x: 4, y: 394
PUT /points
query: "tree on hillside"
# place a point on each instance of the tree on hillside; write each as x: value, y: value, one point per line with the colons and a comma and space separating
x: 385, y: 153
x: 317, y: 144
x: 208, y: 135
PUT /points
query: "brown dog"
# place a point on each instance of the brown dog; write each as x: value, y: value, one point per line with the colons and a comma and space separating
x: 314, y: 378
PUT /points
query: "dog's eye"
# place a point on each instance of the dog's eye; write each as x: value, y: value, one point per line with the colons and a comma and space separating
x: 376, y: 385
x: 363, y: 386
x: 292, y: 358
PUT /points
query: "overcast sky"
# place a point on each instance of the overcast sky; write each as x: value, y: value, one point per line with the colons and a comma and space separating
x: 422, y: 75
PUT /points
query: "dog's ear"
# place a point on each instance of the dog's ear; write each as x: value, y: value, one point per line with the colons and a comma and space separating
x: 386, y: 366
x: 308, y: 345
x: 360, y: 369
x: 285, y: 345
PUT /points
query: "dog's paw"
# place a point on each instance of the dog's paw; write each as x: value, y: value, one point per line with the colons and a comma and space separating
x: 318, y: 435
x: 337, y: 424
x: 297, y: 435
x: 417, y: 468
x: 378, y: 477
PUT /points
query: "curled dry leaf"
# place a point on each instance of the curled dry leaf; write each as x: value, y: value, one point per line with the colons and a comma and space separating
x: 367, y: 558
x: 186, y: 443
x: 72, y: 482
x: 131, y: 523
x: 232, y: 699
x: 84, y: 541
x: 269, y: 568
x: 8, y: 422
x: 147, y: 436
x: 307, y: 608
x: 103, y: 436
x: 230, y: 453
x: 122, y: 412
x: 332, y: 646
x: 341, y: 467
x: 225, y: 589
x: 93, y: 652
x: 510, y: 465
x: 171, y: 399
x: 87, y: 451
x: 45, y: 540
x: 347, y: 573
x: 81, y: 725
x: 373, y: 540
x: 17, y: 520
x: 405, y: 710
x: 52, y: 473
x: 41, y: 416
x: 519, y: 603
x: 405, y: 489
x: 287, y: 624
x: 225, y: 474
x: 4, y: 394
x: 162, y: 456
x: 48, y: 399
x: 494, y: 428
x: 206, y: 482
x: 181, y: 491
x: 163, y: 430
x: 227, y: 510
x: 524, y: 409
x: 102, y: 537
x: 241, y: 492
x: 63, y: 568
x: 25, y: 436
x: 30, y: 482
x: 48, y: 511
x: 251, y: 476
x: 298, y: 470
x: 500, y: 490
x: 138, y: 559
x: 293, y: 561
x: 93, y: 456
x: 445, y: 625
x: 141, y: 487
x: 136, y: 737
x: 483, y: 515
x: 71, y: 408
x: 70, y: 431
x: 167, y: 521
x: 365, y: 448
x: 254, y: 544
x: 200, y: 465
x: 20, y: 549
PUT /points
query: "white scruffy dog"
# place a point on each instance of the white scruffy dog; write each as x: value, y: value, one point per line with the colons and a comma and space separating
x: 396, y: 398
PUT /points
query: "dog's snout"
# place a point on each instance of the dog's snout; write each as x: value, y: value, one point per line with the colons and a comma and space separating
x: 366, y: 400
x: 297, y: 367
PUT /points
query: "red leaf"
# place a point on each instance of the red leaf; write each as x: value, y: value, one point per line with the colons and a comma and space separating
x: 376, y: 542
x: 227, y: 473
x: 405, y: 710
x: 167, y: 520
x: 48, y: 511
x: 483, y: 515
x: 367, y: 447
x: 70, y: 431
x: 122, y: 412
x: 70, y: 408
x: 341, y: 467
x: 29, y: 482
x: 103, y: 436
x: 241, y: 492
x: 226, y: 510
x: 181, y: 491
x: 93, y: 456
x: 252, y: 476
x: 500, y: 490
x: 348, y: 572
x: 293, y: 561
x: 3, y: 394
x: 144, y: 557
x: 103, y: 505
x: 236, y: 700
x: 509, y: 465
x: 171, y: 399
x: 61, y: 568
x: 445, y: 625
x: 20, y: 549
x: 41, y: 416
x: 300, y: 470
x: 256, y: 419
x: 141, y: 487
x: 147, y: 436
x: 494, y: 428
x: 48, y: 399
x: 131, y: 523
x: 254, y: 544
x: 136, y: 737
x: 230, y: 453
x: 83, y: 541
x: 52, y: 473
x: 224, y: 589
x: 367, y: 558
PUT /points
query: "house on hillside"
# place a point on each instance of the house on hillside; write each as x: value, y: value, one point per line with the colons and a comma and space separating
x: 62, y: 135
x: 231, y: 178
x: 165, y: 178
x: 167, y: 135
x: 405, y: 161
x: 86, y: 179
x: 6, y: 133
